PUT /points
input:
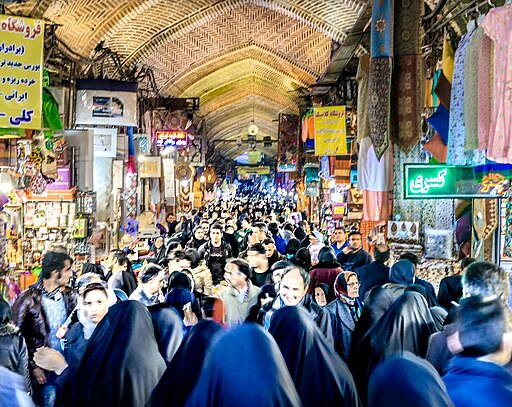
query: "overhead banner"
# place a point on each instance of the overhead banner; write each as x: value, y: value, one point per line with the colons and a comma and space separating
x: 262, y: 170
x: 254, y: 157
x: 105, y: 102
x: 288, y: 142
x: 330, y: 131
x: 424, y: 181
x: 21, y: 72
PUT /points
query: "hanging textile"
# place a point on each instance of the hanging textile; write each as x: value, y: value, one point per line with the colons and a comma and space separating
x: 377, y: 205
x: 363, y: 123
x: 379, y: 84
x: 407, y: 96
x: 374, y: 174
x: 471, y: 89
x: 484, y: 92
x: 288, y: 143
x: 457, y: 154
x: 379, y: 110
x: 448, y: 60
x: 498, y: 26
x: 340, y: 168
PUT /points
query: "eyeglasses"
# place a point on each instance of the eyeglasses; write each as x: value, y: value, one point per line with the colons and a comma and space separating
x: 353, y: 285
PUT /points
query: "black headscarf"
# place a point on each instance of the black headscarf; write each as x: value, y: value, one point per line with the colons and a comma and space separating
x: 405, y: 327
x: 244, y: 368
x: 183, y: 372
x: 5, y: 312
x: 177, y: 298
x: 407, y: 381
x: 121, y: 365
x: 320, y: 376
x: 169, y: 329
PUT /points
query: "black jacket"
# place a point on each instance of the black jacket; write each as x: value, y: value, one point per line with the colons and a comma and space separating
x: 350, y: 261
x: 13, y: 352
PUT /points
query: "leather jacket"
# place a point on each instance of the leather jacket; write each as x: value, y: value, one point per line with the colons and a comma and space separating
x: 29, y: 316
x: 13, y: 352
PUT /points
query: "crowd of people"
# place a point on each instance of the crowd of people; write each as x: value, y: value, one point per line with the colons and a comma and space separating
x: 246, y: 303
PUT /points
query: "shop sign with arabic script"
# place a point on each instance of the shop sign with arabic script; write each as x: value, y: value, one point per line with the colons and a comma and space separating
x: 429, y: 181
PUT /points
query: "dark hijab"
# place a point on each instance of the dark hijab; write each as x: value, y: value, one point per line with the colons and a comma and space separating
x: 244, y: 368
x: 5, y: 312
x: 178, y: 298
x: 405, y: 327
x: 183, y: 372
x: 407, y: 381
x: 169, y: 329
x: 320, y: 376
x: 121, y: 365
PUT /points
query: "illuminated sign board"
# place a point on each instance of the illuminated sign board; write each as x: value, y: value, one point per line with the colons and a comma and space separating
x: 425, y: 181
x: 171, y: 138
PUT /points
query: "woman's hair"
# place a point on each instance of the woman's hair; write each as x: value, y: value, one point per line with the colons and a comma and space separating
x: 326, y: 255
x: 94, y: 287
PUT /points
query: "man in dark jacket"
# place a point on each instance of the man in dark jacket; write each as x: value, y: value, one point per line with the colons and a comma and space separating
x: 293, y: 291
x: 40, y: 311
x: 354, y: 256
x: 215, y: 252
x: 376, y: 273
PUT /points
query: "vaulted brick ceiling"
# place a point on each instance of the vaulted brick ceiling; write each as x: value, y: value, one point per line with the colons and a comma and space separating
x: 243, y: 58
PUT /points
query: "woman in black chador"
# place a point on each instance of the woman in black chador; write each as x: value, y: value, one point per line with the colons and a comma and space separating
x: 121, y: 365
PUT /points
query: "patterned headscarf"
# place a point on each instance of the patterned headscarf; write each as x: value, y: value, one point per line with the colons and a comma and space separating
x: 341, y: 290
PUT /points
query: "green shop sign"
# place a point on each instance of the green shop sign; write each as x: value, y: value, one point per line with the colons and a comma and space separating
x: 425, y: 181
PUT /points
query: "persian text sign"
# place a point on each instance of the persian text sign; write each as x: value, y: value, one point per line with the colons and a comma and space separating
x: 424, y: 181
x: 330, y: 131
x: 171, y: 138
x: 21, y: 72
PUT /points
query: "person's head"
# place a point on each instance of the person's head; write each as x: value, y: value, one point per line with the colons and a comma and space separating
x: 151, y: 277
x: 245, y: 223
x: 205, y: 226
x: 237, y: 273
x: 465, y: 262
x: 294, y: 285
x: 85, y: 279
x: 171, y: 217
x: 277, y: 270
x: 179, y: 260
x: 315, y: 238
x: 159, y: 242
x: 339, y: 234
x: 270, y: 246
x: 326, y: 255
x: 195, y: 258
x: 267, y: 294
x: 230, y: 230
x: 346, y: 286
x: 302, y: 258
x: 292, y: 247
x: 214, y: 309
x: 259, y: 229
x: 119, y: 261
x: 273, y: 228
x: 322, y: 294
x: 355, y: 240
x: 198, y: 233
x: 56, y: 266
x: 216, y: 232
x: 412, y: 258
x: 486, y: 279
x: 381, y: 253
x: 95, y: 301
x: 483, y: 327
x: 402, y: 272
x: 257, y: 256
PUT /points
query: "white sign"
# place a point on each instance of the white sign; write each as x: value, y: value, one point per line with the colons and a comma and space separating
x: 105, y: 142
x: 169, y: 180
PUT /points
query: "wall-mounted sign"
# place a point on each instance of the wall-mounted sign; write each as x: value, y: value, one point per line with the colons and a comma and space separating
x: 21, y: 72
x: 171, y: 138
x: 330, y: 131
x: 424, y: 181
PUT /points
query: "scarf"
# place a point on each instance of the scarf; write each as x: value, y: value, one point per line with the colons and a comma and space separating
x: 54, y: 295
x: 340, y: 288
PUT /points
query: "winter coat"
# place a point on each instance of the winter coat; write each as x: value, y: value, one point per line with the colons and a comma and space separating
x: 343, y: 326
x: 13, y: 352
x: 324, y: 273
x: 29, y: 316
